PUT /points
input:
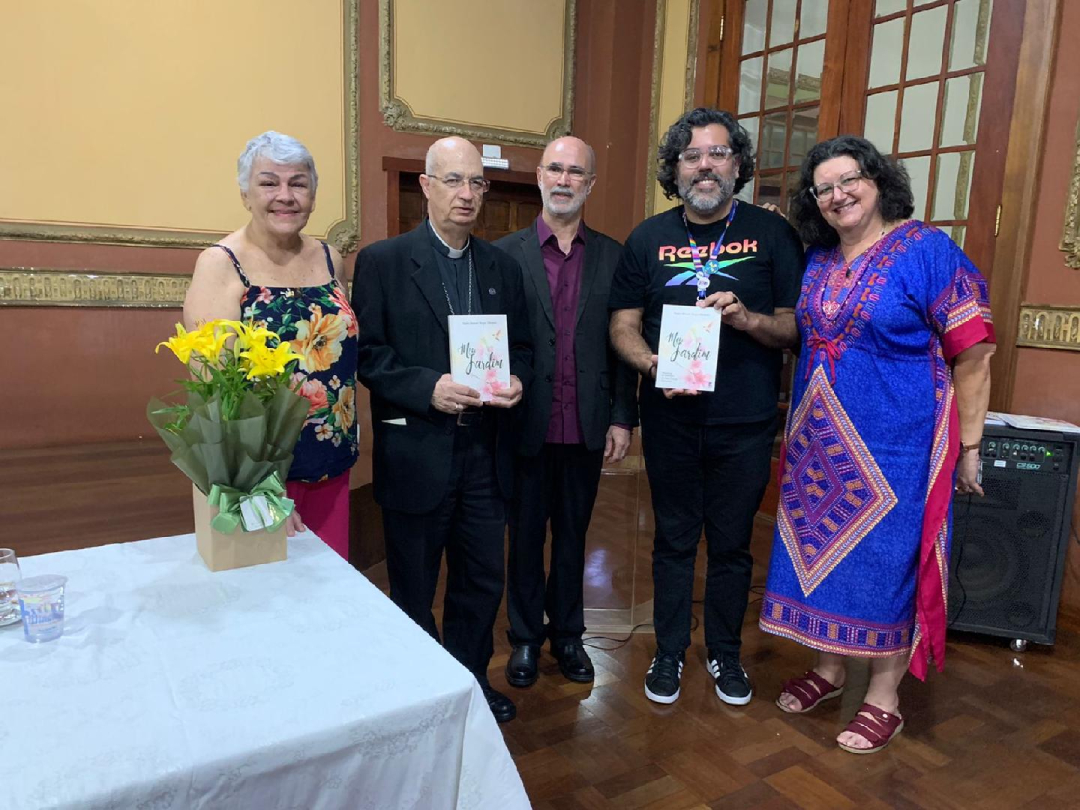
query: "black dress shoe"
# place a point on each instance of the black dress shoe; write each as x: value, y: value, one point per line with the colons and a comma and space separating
x: 501, y: 706
x: 521, y: 668
x: 573, y: 661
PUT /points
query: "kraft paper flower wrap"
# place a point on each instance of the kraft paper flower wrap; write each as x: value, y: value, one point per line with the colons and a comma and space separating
x: 233, y: 435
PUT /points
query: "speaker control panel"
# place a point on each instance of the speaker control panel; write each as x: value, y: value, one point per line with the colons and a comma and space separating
x: 1031, y: 455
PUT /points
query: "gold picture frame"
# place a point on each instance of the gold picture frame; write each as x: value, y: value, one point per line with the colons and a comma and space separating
x: 344, y: 234
x: 1070, y: 236
x: 36, y: 287
x: 399, y: 116
x: 1049, y: 327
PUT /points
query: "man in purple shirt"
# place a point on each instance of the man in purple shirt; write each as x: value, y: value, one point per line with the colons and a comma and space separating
x: 579, y: 412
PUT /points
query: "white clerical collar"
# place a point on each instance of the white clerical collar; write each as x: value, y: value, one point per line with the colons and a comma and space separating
x: 455, y: 253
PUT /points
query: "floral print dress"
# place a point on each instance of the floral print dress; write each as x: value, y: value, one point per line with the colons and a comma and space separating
x: 321, y: 326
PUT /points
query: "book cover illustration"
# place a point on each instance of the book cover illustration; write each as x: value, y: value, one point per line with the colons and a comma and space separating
x: 689, y: 347
x: 480, y: 353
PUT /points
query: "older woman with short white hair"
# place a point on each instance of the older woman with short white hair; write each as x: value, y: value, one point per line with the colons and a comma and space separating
x: 270, y: 273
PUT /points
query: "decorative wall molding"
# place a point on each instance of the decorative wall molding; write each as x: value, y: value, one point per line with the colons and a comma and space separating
x: 1049, y: 327
x: 399, y: 116
x: 1070, y: 237
x: 654, y: 105
x: 660, y: 31
x: 692, y: 53
x: 344, y: 234
x: 34, y: 287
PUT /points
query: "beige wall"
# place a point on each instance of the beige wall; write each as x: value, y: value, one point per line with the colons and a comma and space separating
x: 457, y: 62
x: 84, y: 375
x: 676, y: 36
x: 131, y: 114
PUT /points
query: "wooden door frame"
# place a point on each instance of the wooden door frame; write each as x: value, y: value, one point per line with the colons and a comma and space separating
x: 395, y: 167
x: 723, y: 46
x: 1027, y: 134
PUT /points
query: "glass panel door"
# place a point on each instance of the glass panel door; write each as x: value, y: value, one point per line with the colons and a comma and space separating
x: 781, y: 66
x: 924, y: 95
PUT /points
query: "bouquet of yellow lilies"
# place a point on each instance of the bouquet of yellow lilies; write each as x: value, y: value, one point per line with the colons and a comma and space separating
x: 234, y: 432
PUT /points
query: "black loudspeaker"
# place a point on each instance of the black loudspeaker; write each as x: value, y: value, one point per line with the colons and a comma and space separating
x: 1008, y: 548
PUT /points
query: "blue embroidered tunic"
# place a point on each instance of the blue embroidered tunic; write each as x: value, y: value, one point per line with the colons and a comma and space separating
x: 859, y: 561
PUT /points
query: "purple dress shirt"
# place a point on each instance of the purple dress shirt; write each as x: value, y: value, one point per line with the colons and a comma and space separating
x: 564, y: 271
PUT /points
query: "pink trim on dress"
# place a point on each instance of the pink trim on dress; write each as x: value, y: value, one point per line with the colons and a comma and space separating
x: 932, y: 577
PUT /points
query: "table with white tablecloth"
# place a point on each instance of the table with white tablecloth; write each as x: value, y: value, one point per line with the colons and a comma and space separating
x: 288, y: 686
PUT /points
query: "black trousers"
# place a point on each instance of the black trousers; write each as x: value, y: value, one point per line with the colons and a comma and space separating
x: 468, y: 525
x: 710, y: 476
x: 559, y: 484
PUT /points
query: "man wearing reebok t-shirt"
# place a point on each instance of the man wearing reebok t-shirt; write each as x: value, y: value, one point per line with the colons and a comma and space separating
x: 707, y: 453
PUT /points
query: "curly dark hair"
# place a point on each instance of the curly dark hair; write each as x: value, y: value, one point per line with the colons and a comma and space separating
x: 678, y: 137
x: 895, y: 200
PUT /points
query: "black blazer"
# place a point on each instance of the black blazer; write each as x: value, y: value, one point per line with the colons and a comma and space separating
x: 605, y: 388
x: 401, y: 313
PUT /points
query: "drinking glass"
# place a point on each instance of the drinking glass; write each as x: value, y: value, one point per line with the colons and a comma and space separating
x: 41, y: 601
x: 9, y: 575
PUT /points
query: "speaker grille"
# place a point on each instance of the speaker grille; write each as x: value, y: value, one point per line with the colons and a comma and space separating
x: 1005, y: 554
x: 1001, y: 493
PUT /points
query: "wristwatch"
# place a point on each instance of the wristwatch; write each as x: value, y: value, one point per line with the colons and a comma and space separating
x: 966, y: 447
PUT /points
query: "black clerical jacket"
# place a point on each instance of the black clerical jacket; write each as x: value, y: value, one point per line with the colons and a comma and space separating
x: 401, y: 313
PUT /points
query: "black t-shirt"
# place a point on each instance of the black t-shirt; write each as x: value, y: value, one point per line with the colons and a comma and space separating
x: 761, y: 262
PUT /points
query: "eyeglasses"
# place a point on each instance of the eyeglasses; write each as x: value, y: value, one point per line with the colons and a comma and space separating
x: 717, y: 154
x: 846, y: 184
x: 575, y: 173
x: 478, y: 184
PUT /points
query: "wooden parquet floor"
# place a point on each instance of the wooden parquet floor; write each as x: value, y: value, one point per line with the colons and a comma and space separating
x: 997, y: 730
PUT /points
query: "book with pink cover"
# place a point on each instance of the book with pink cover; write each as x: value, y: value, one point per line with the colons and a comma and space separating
x: 480, y: 353
x: 689, y: 347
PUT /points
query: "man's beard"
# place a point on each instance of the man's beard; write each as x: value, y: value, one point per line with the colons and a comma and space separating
x: 563, y: 206
x: 707, y: 204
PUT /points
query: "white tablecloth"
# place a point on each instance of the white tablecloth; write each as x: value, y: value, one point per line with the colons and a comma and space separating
x: 290, y: 685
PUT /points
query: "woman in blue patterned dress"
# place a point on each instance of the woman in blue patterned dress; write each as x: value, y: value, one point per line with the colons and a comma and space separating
x: 270, y: 273
x: 891, y: 390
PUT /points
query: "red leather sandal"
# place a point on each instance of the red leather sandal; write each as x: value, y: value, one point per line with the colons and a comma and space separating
x: 809, y: 690
x: 878, y: 729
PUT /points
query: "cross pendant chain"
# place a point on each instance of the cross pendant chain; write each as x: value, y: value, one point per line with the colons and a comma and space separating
x: 468, y: 305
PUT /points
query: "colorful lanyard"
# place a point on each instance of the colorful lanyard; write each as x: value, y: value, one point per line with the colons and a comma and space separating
x: 712, y: 265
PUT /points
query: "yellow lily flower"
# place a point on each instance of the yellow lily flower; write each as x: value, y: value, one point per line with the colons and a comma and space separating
x: 182, y: 344
x: 210, y: 340
x: 250, y: 335
x: 266, y: 362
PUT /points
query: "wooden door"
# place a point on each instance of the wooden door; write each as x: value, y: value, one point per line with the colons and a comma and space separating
x: 508, y: 207
x: 930, y: 82
x: 938, y: 92
x: 780, y: 73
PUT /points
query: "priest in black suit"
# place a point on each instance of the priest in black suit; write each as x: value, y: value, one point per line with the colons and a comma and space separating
x: 579, y: 412
x: 443, y: 460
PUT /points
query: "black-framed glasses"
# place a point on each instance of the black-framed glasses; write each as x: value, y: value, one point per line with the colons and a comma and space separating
x: 717, y: 154
x: 575, y: 173
x: 846, y: 184
x: 455, y: 181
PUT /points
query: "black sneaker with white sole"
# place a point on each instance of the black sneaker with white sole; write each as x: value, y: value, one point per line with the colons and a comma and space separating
x: 663, y: 678
x: 732, y: 685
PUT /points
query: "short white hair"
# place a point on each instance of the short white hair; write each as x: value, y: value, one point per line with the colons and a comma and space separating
x: 278, y: 148
x: 431, y: 159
